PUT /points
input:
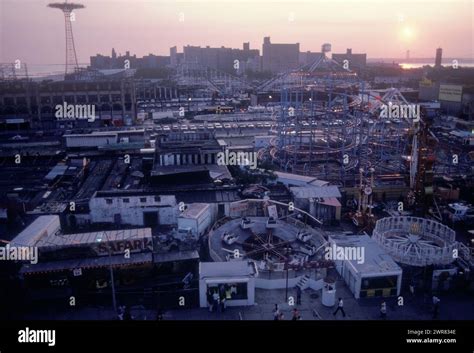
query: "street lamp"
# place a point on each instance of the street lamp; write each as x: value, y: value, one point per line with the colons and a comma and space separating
x: 114, y: 300
x: 287, y: 251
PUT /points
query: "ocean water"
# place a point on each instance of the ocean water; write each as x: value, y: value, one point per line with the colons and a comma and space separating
x: 409, y: 65
x: 42, y: 70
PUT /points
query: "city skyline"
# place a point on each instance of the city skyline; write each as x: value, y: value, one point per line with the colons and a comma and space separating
x: 155, y: 26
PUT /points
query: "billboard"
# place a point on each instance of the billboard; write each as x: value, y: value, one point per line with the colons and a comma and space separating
x: 450, y: 93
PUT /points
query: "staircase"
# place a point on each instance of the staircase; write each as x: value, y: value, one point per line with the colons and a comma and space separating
x: 303, y: 283
x: 465, y: 259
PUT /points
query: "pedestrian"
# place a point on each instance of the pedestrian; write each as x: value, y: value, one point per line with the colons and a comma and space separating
x: 340, y: 306
x: 296, y: 315
x: 436, y: 301
x: 276, y: 313
x: 210, y: 300
x: 383, y: 310
x: 215, y: 300
x: 159, y: 314
x: 228, y: 293
x: 298, y: 295
x: 281, y: 317
x: 121, y: 311
x: 127, y: 315
x: 222, y: 299
x: 412, y: 289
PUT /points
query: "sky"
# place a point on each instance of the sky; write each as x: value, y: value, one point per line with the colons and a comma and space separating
x: 34, y: 33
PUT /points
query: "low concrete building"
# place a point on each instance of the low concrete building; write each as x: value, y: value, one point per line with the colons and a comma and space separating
x: 321, y: 202
x: 106, y: 140
x: 134, y: 207
x: 235, y: 280
x: 373, y: 274
x: 43, y: 226
x: 195, y: 220
x: 290, y: 179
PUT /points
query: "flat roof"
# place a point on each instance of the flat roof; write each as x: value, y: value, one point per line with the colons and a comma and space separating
x: 300, y: 179
x: 101, y: 261
x: 55, y: 171
x: 176, y: 256
x: 226, y: 269
x: 315, y: 191
x: 194, y: 210
x: 215, y: 171
x: 93, y: 237
x: 376, y: 260
x: 32, y: 234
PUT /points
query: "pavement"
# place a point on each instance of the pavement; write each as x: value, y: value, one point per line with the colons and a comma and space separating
x: 453, y: 306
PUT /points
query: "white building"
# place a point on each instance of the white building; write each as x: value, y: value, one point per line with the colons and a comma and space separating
x: 99, y: 139
x: 236, y: 276
x: 195, y: 219
x: 290, y: 179
x: 377, y: 275
x: 321, y: 202
x: 133, y: 207
x: 43, y: 226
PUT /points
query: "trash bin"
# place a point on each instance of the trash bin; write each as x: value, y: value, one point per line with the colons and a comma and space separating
x: 329, y: 292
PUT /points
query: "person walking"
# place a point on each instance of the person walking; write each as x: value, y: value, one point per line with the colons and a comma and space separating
x: 276, y: 313
x: 383, y: 310
x: 436, y: 301
x: 215, y: 300
x: 340, y: 306
x: 298, y: 295
x: 296, y: 315
x: 127, y: 315
x: 159, y: 314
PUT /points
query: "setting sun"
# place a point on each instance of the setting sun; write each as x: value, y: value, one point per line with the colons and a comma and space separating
x: 407, y: 33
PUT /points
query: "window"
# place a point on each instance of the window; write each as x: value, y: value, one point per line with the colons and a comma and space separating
x: 143, y: 199
x: 157, y: 199
x: 126, y: 200
x: 109, y: 201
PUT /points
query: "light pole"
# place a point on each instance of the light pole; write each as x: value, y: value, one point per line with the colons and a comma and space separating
x: 287, y: 251
x: 114, y: 300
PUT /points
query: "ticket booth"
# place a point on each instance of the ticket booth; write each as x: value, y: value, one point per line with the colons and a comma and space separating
x: 233, y: 280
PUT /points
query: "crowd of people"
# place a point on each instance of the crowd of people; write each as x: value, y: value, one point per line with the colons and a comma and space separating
x: 217, y: 297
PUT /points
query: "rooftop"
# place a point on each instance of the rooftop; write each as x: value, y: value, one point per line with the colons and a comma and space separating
x: 315, y: 191
x: 376, y: 260
x: 194, y: 210
x: 42, y: 226
x: 301, y: 180
x: 226, y: 269
x: 94, y: 237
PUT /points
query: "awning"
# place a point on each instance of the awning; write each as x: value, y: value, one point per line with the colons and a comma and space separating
x: 176, y: 256
x: 96, y: 262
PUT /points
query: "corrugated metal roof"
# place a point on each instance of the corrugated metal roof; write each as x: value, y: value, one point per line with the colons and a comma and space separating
x: 36, y: 231
x: 176, y: 256
x: 57, y: 170
x: 102, y: 261
x: 94, y: 237
x: 315, y: 191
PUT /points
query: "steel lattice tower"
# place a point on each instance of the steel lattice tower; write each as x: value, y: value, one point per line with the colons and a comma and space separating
x: 67, y: 9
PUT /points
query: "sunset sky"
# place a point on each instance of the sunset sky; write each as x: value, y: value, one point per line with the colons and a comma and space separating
x: 34, y: 33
